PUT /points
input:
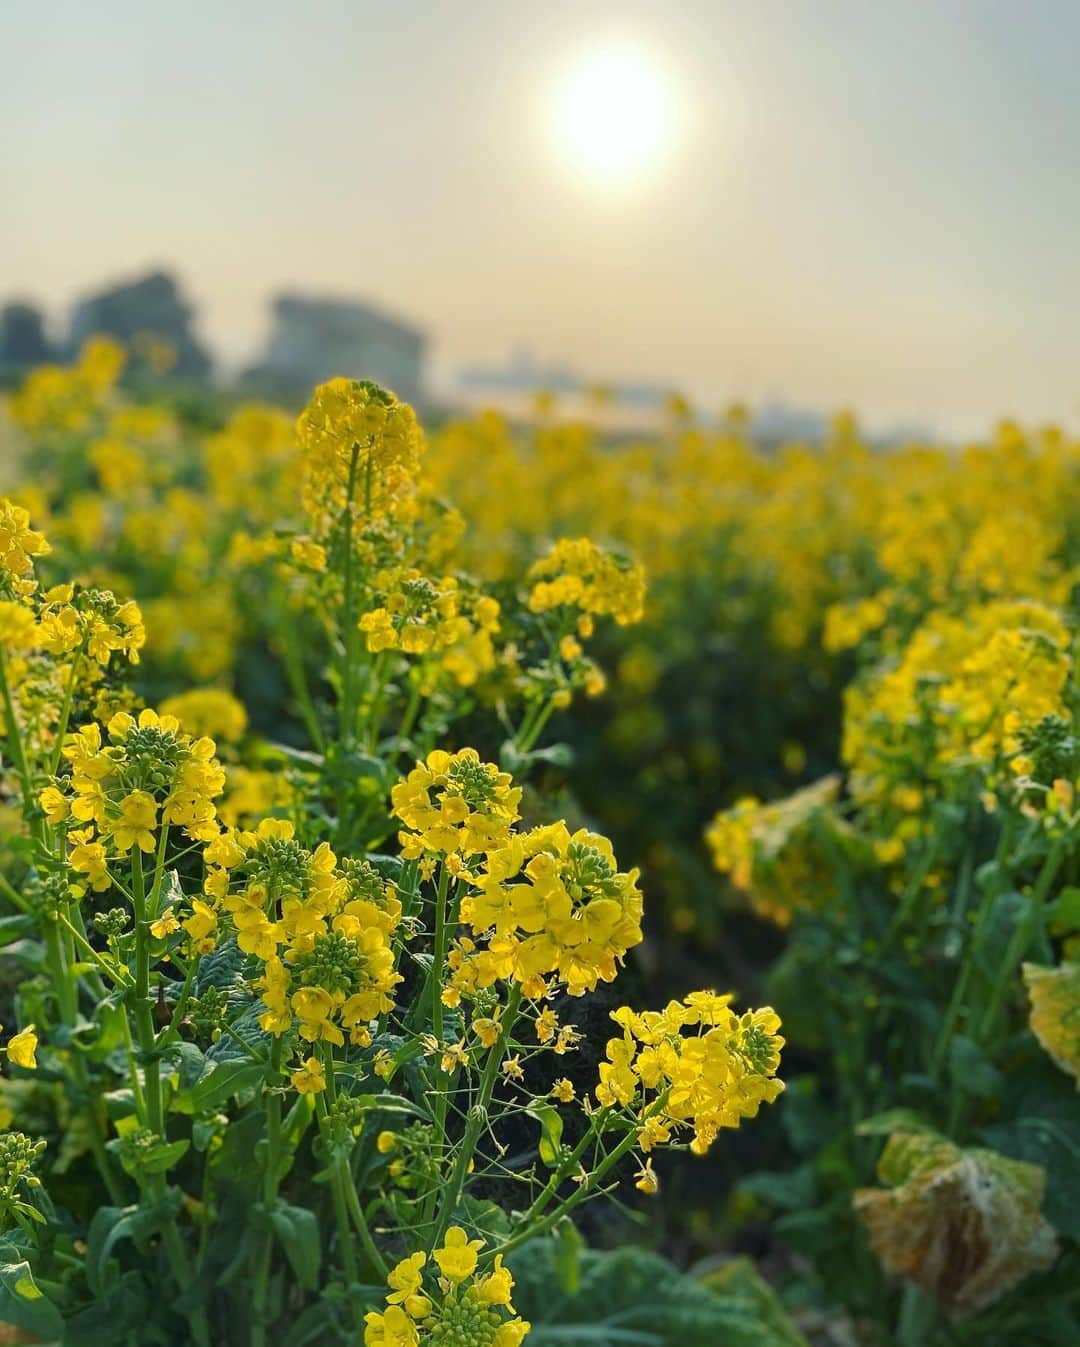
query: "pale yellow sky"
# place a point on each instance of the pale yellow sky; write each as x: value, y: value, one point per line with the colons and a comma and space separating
x: 862, y: 203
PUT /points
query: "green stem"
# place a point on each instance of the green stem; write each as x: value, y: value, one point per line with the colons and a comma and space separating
x: 349, y: 630
x: 153, y: 908
x: 533, y: 725
x: 352, y: 1199
x: 375, y: 704
x: 584, y: 1190
x: 65, y: 714
x: 118, y: 976
x: 349, y: 1264
x: 298, y: 681
x: 18, y: 755
x: 264, y: 1255
x: 67, y: 998
x: 144, y: 1014
x: 1021, y: 938
x: 478, y: 1115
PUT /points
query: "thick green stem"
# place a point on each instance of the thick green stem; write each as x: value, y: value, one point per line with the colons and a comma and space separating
x: 265, y: 1251
x: 1021, y: 938
x: 153, y: 1104
x: 349, y: 1264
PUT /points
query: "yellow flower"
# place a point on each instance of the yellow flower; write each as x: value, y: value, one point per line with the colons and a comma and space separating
x: 487, y: 1031
x: 406, y: 1282
x: 17, y: 626
x: 165, y: 925
x: 55, y: 804
x: 457, y: 1258
x: 22, y: 1048
x: 309, y: 1078
x: 563, y: 1091
x: 646, y: 1180
x: 392, y: 1328
x: 138, y: 818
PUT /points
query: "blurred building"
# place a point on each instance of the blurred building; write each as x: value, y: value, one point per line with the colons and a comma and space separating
x: 314, y: 339
x: 22, y: 335
x: 143, y: 313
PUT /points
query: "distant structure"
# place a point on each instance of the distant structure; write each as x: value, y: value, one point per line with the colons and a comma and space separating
x: 523, y: 375
x: 148, y: 309
x: 22, y: 335
x: 314, y: 339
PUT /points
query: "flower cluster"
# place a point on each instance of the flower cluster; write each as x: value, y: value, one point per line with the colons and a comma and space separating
x: 578, y: 574
x: 550, y: 902
x: 360, y: 446
x: 94, y: 620
x: 19, y: 545
x: 772, y: 852
x: 452, y: 804
x: 144, y: 774
x: 464, y: 1307
x: 963, y: 692
x: 694, y: 1065
x: 321, y: 931
x: 450, y: 623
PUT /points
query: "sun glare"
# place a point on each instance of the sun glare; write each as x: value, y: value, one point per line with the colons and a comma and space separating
x: 613, y: 115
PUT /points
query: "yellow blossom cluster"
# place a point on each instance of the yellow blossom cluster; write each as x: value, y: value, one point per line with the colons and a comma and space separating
x: 66, y: 398
x: 211, y: 711
x: 578, y: 574
x: 452, y: 804
x: 143, y: 775
x: 549, y: 902
x: 359, y: 445
x: 457, y: 1306
x: 771, y: 851
x: 963, y: 691
x: 694, y: 1065
x: 74, y: 619
x: 451, y: 624
x: 321, y: 930
x: 19, y: 545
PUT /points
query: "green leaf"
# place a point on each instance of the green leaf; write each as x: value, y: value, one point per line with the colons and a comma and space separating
x: 629, y: 1296
x: 788, y: 1191
x: 893, y: 1120
x: 569, y: 1246
x: 22, y: 1302
x: 297, y: 1230
x: 1064, y: 912
x: 15, y: 927
x: 551, y: 1129
x: 110, y: 1225
x: 221, y: 1083
x: 971, y: 1071
x: 1042, y: 1126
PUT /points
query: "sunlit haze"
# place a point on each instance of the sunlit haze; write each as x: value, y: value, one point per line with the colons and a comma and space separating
x: 614, y: 115
x: 831, y: 202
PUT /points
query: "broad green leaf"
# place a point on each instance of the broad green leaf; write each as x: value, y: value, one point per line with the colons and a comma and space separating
x: 297, y: 1230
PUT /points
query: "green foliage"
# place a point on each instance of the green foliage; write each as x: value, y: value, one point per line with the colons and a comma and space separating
x: 631, y: 1298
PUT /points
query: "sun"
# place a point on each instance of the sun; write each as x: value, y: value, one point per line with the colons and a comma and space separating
x: 613, y: 115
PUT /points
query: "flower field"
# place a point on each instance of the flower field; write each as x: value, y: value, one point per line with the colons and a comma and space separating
x: 489, y: 884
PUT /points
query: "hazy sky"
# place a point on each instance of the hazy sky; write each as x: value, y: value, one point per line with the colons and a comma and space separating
x: 865, y: 202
